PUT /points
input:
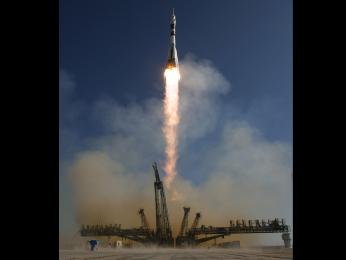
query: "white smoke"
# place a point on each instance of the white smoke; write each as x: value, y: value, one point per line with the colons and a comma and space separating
x: 250, y: 176
x: 201, y: 85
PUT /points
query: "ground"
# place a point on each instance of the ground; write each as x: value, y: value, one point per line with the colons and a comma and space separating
x: 178, y: 254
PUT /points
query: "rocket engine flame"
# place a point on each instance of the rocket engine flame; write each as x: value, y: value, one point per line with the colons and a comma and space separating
x: 171, y: 122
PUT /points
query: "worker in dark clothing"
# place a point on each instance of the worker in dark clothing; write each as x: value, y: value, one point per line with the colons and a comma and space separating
x: 93, y: 244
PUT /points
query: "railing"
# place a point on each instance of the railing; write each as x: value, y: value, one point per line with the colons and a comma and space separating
x: 113, y: 230
x: 272, y: 226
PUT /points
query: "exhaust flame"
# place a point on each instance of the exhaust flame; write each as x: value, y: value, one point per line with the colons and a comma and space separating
x: 171, y: 122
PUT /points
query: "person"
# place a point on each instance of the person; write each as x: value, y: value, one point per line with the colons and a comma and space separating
x: 93, y: 244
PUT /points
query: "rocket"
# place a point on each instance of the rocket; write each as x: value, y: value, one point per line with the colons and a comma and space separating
x: 172, y: 61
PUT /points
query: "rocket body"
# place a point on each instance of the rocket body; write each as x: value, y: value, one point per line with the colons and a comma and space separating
x: 172, y: 61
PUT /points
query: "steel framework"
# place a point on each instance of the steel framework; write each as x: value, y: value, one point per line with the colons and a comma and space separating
x: 196, y: 235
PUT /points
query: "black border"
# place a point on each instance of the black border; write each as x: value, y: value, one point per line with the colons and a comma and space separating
x: 315, y: 138
x: 30, y: 183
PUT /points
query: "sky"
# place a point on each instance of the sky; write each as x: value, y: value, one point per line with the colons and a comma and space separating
x: 237, y: 56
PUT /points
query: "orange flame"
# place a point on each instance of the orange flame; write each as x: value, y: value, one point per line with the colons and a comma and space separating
x: 171, y: 122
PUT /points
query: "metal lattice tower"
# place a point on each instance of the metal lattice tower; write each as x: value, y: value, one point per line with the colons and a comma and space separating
x: 184, y: 223
x: 144, y: 221
x: 196, y: 220
x: 163, y: 228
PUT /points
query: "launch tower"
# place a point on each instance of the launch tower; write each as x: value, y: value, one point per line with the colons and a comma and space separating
x: 163, y: 228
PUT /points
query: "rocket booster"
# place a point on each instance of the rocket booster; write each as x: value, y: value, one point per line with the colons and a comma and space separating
x: 172, y: 60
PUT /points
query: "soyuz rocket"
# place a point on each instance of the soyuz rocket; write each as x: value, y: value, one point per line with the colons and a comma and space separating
x: 172, y: 61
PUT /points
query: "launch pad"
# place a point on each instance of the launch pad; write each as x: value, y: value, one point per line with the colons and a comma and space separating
x: 187, y: 237
x: 186, y: 254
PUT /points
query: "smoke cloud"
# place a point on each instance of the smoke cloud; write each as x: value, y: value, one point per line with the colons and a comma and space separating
x: 250, y: 177
x: 201, y: 86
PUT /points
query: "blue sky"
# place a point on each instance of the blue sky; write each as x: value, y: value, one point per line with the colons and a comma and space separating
x: 117, y: 49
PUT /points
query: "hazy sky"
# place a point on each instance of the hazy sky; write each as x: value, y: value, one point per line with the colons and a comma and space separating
x: 113, y: 52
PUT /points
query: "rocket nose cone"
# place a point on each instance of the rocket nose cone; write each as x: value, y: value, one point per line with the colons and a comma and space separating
x: 173, y: 17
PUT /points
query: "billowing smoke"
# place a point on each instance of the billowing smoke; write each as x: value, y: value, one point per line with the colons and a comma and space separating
x: 249, y: 176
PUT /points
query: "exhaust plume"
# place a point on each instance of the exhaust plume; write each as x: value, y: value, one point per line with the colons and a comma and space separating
x: 171, y: 122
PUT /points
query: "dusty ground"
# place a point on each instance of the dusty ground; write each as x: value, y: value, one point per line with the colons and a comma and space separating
x: 178, y: 254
